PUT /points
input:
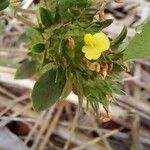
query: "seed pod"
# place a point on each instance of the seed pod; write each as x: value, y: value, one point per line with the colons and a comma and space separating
x: 105, y: 117
x: 104, y: 72
x: 110, y: 68
x: 109, y: 98
x: 93, y: 66
x: 71, y: 42
x: 126, y: 67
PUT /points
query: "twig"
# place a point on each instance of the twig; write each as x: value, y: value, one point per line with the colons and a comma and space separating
x: 39, y: 120
x: 140, y: 83
x: 78, y: 138
x: 74, y: 123
x: 12, y: 103
x: 82, y: 127
x: 19, y: 107
x: 127, y: 107
x: 51, y: 127
x: 19, y: 119
x: 141, y: 106
x: 135, y: 135
x: 6, y: 92
x: 3, y: 123
x: 99, y: 132
x: 68, y: 111
x: 43, y: 128
x: 83, y: 146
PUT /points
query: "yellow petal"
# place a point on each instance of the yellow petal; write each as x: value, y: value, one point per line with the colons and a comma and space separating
x: 91, y: 52
x: 85, y: 48
x: 89, y: 39
x: 102, y: 41
x: 88, y: 48
x: 92, y: 55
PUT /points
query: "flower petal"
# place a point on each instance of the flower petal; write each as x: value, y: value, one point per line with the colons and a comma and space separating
x: 89, y: 39
x: 102, y: 40
x: 86, y: 48
x: 92, y: 55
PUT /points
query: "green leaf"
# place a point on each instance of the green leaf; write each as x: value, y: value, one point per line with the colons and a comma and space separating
x: 46, y: 90
x: 139, y: 46
x: 117, y: 56
x: 38, y: 48
x: 52, y: 4
x: 57, y: 15
x: 33, y: 36
x: 98, y: 26
x: 67, y: 89
x: 117, y: 67
x: 46, y: 17
x: 4, y: 4
x: 120, y: 38
x: 104, y: 24
x: 45, y: 60
x: 47, y: 67
x: 68, y: 51
x: 70, y: 3
x: 26, y: 70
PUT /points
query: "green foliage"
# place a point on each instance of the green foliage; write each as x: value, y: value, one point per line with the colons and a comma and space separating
x: 46, y: 17
x: 32, y: 35
x: 93, y: 94
x: 4, y: 4
x: 26, y: 70
x: 47, y: 90
x: 38, y: 48
x: 67, y: 89
x: 97, y: 26
x: 58, y: 41
x: 104, y: 24
x: 139, y: 46
x: 59, y: 63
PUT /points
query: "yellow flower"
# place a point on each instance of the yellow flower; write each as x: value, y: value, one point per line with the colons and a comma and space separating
x: 95, y: 45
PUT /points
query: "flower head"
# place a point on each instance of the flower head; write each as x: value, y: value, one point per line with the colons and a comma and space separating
x: 95, y: 45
